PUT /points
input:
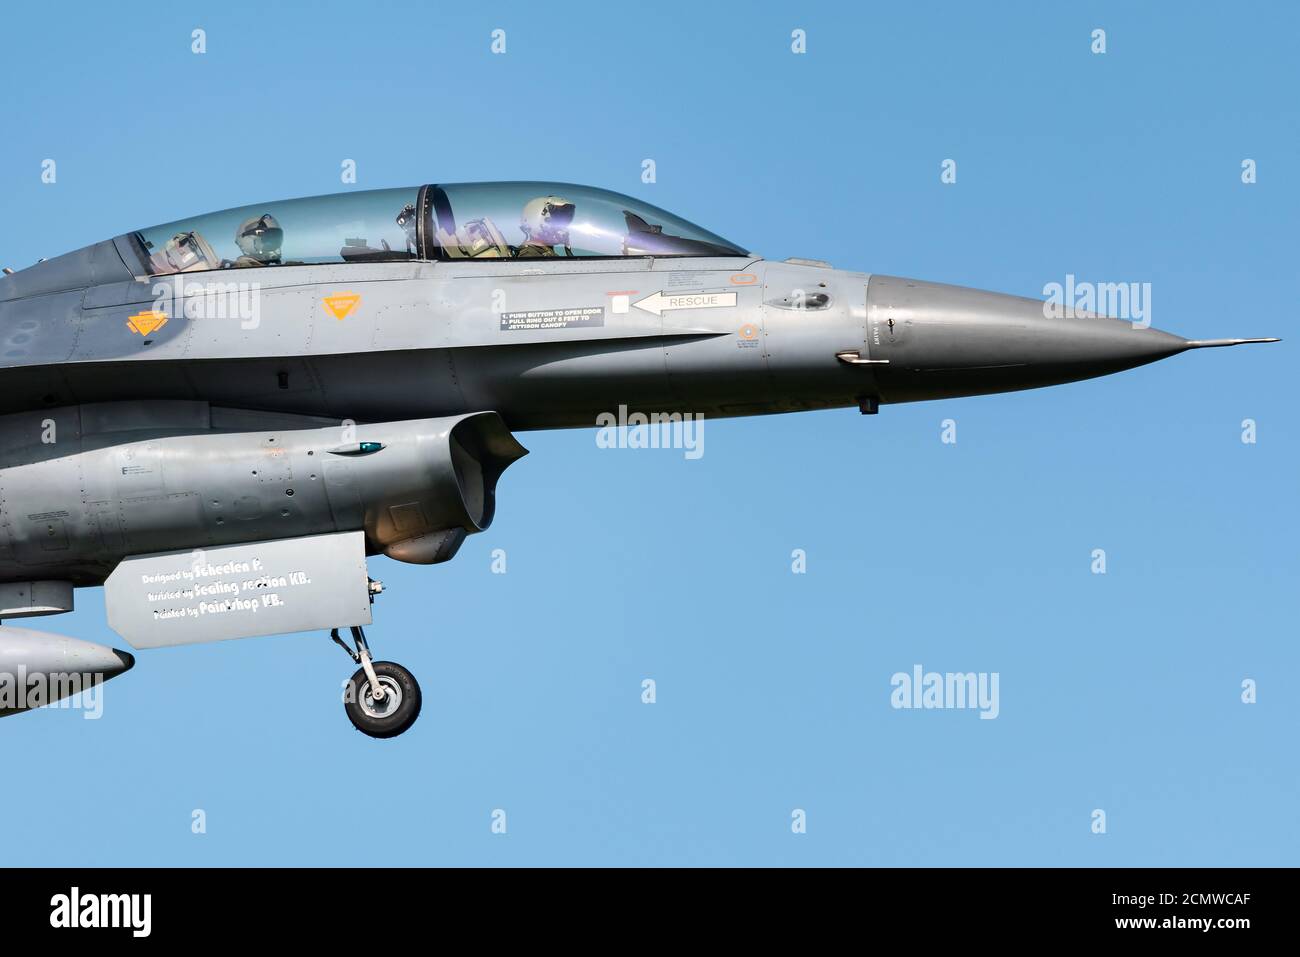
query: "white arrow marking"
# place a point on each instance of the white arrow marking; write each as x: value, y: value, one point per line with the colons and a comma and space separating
x: 658, y: 303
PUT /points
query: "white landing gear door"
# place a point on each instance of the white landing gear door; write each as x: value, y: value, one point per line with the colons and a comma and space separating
x: 313, y: 583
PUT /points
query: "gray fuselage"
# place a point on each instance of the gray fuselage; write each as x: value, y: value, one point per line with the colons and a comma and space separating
x: 117, y: 384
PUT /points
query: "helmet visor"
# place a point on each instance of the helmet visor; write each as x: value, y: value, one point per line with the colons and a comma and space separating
x: 558, y: 216
x: 262, y: 239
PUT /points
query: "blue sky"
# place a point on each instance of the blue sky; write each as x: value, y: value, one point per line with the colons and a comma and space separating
x: 1119, y: 692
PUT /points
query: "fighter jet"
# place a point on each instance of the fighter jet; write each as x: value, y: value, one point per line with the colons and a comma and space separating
x: 220, y: 419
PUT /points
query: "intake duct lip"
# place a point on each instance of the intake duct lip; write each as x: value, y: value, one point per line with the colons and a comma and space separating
x: 482, y: 448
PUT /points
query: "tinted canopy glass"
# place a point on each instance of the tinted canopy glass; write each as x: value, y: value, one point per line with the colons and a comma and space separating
x: 458, y: 221
x: 542, y: 220
x: 365, y: 226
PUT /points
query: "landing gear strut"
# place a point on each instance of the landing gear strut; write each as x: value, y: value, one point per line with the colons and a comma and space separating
x: 382, y: 699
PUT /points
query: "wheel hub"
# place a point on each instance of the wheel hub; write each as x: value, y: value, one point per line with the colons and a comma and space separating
x: 388, y: 704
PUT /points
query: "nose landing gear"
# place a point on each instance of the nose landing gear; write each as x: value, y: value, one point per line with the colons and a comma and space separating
x: 382, y: 699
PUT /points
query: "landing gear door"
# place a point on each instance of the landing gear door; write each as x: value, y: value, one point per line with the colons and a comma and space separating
x: 312, y: 583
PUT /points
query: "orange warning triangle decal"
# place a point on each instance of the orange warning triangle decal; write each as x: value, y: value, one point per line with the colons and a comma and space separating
x: 146, y: 322
x: 341, y: 304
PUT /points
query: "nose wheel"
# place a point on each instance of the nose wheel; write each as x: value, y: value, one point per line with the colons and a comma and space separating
x: 382, y: 699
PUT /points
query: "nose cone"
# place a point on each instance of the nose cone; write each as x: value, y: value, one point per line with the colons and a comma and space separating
x: 40, y: 667
x: 942, y: 341
x: 1093, y: 344
x: 90, y: 658
x: 41, y: 652
x: 126, y: 661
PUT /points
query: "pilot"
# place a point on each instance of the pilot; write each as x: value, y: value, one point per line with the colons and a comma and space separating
x: 545, y: 225
x: 259, y: 239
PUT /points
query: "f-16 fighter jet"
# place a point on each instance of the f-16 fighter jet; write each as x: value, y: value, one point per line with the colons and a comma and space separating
x: 220, y: 419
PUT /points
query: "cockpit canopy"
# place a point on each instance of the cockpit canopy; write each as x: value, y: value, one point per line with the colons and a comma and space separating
x: 519, y: 220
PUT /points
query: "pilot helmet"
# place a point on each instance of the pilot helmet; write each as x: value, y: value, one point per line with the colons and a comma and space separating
x: 260, y: 238
x: 546, y: 220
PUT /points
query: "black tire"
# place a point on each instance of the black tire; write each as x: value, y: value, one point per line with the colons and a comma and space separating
x: 367, y: 717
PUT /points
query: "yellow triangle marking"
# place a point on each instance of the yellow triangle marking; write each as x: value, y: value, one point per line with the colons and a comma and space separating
x: 341, y: 304
x: 146, y: 322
